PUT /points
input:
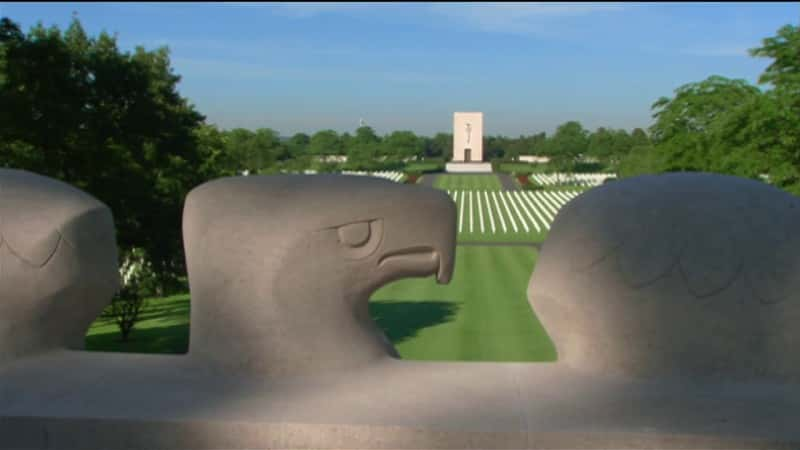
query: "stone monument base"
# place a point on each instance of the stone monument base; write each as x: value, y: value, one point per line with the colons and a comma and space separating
x: 102, y: 401
x: 468, y: 167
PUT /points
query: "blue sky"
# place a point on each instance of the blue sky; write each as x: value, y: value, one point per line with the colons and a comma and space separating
x: 528, y: 67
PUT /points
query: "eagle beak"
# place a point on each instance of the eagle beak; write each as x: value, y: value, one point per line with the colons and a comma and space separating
x: 419, y: 261
x: 447, y: 261
x: 426, y: 247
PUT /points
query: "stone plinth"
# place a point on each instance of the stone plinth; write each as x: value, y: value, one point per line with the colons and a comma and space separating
x: 462, y: 167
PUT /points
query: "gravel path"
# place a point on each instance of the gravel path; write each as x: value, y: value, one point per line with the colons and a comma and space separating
x: 507, y: 182
x: 428, y: 179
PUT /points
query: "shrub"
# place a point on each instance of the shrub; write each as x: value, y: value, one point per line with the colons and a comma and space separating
x: 497, y: 164
x: 412, y: 177
x: 139, y: 281
x: 125, y: 309
x: 429, y: 165
x: 327, y: 167
x: 533, y: 187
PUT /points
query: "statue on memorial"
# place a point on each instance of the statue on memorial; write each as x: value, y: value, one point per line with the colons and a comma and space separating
x: 468, y: 128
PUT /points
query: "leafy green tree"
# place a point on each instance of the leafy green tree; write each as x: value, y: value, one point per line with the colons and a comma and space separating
x: 641, y: 160
x: 517, y: 147
x: 569, y: 143
x: 267, y: 149
x: 402, y: 145
x: 639, y: 138
x: 364, y: 149
x: 784, y: 71
x: 112, y: 123
x: 440, y: 146
x: 215, y: 159
x: 346, y: 140
x: 684, y: 131
x: 776, y: 130
x: 536, y: 144
x: 238, y: 146
x: 298, y: 144
x: 601, y: 143
x: 325, y: 142
x: 621, y: 145
x: 495, y: 147
x: 366, y: 135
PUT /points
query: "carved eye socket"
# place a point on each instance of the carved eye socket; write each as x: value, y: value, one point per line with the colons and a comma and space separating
x: 354, y: 234
x: 360, y: 239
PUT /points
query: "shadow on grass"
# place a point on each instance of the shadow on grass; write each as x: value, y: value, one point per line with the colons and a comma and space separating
x: 166, y: 313
x: 166, y: 339
x: 401, y: 320
x: 155, y: 310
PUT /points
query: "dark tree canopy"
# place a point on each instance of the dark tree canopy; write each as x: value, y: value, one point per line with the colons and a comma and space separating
x: 78, y: 109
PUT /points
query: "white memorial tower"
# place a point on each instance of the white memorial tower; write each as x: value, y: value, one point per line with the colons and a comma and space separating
x: 468, y: 143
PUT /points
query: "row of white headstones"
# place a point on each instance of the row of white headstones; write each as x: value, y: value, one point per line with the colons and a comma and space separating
x: 584, y: 179
x: 532, y: 210
x: 389, y: 175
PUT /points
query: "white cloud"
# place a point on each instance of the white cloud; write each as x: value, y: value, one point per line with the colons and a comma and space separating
x: 220, y: 69
x: 233, y: 70
x: 311, y: 9
x: 515, y: 17
x: 717, y: 50
x: 487, y: 17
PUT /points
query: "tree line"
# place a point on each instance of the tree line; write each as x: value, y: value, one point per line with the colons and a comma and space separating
x: 77, y: 108
x: 264, y: 151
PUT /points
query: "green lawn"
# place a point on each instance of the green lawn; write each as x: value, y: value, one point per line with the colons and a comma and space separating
x: 164, y: 329
x: 520, y: 168
x: 423, y: 166
x: 482, y: 315
x: 483, y: 182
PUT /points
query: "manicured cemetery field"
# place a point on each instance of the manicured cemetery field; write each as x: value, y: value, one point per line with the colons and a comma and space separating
x: 484, y: 182
x: 482, y: 315
x: 507, y: 216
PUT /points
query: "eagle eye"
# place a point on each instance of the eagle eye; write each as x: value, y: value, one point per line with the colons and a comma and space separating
x: 360, y: 239
x: 354, y: 234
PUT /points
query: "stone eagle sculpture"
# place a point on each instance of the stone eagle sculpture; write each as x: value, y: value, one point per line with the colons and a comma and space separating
x: 669, y: 298
x: 680, y: 274
x: 58, y: 264
x: 282, y: 267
